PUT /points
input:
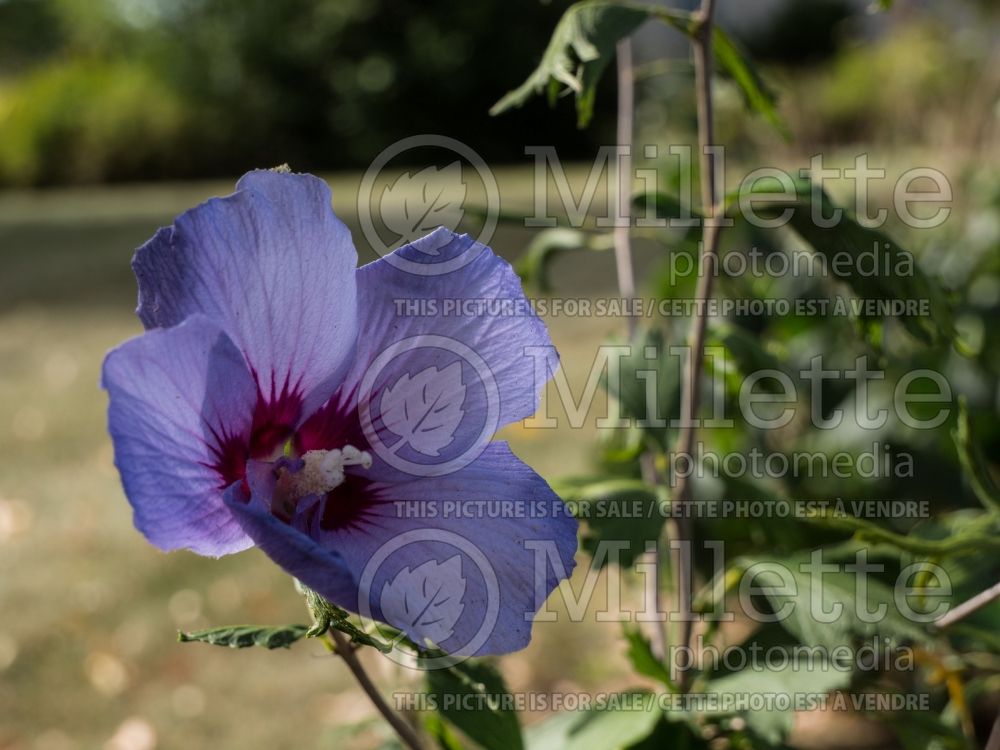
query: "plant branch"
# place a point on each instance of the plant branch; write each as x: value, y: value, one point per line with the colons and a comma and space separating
x: 623, y: 176
x: 969, y: 606
x: 404, y: 730
x: 691, y: 379
x: 624, y: 269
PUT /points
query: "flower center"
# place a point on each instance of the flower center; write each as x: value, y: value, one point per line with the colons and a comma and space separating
x: 323, y: 471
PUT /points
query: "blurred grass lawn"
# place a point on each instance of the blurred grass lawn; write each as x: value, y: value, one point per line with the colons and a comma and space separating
x: 88, y: 655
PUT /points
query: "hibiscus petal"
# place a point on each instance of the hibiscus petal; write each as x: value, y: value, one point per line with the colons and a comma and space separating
x: 509, y: 558
x: 274, y: 267
x: 181, y: 403
x: 435, y: 373
x: 321, y: 569
x: 425, y: 556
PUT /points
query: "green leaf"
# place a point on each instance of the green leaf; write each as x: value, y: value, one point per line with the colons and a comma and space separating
x: 632, y: 391
x: 533, y: 266
x: 884, y: 284
x: 794, y: 678
x: 620, y: 449
x: 620, y: 510
x: 756, y: 93
x: 664, y: 205
x: 581, y: 47
x: 782, y: 669
x: 244, y: 636
x: 640, y: 654
x: 836, y: 597
x: 442, y: 734
x: 616, y: 725
x: 675, y: 213
x: 583, y: 44
x: 746, y: 353
x: 483, y: 712
x: 975, y: 638
x: 973, y: 462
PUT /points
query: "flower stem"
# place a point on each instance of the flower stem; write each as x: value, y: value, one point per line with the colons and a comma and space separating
x: 404, y: 730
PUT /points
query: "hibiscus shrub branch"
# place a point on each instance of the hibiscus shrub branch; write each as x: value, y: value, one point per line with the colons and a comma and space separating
x: 701, y: 41
x: 345, y: 651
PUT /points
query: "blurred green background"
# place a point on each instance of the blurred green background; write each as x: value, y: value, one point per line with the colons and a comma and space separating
x: 174, y: 100
x: 92, y: 90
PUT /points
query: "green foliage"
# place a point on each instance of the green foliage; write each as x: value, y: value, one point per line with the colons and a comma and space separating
x: 438, y: 729
x: 234, y: 84
x: 793, y: 678
x: 327, y: 615
x: 643, y: 661
x: 667, y: 206
x: 19, y: 49
x: 839, y: 591
x: 791, y: 670
x: 584, y: 42
x: 973, y: 463
x: 747, y: 354
x: 601, y: 728
x: 535, y: 265
x: 581, y: 47
x: 755, y: 92
x: 967, y: 573
x: 244, y: 636
x: 485, y: 719
x: 846, y: 236
x: 87, y: 121
x: 637, y: 401
x: 621, y: 510
x: 973, y: 538
x: 850, y: 101
x: 954, y: 541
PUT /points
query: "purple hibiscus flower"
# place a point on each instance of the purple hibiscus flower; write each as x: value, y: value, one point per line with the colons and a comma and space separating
x: 337, y: 418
